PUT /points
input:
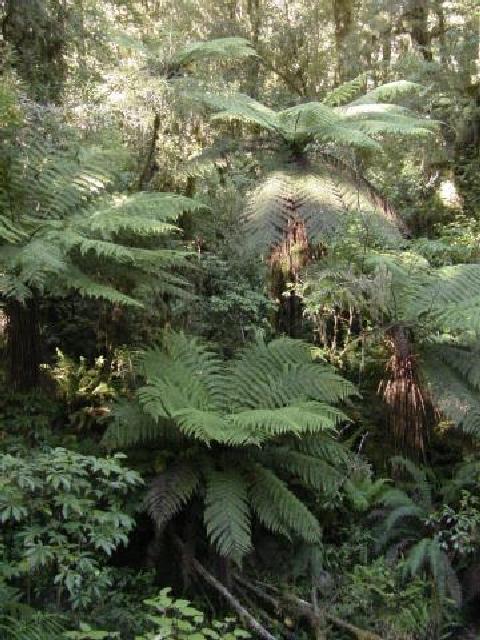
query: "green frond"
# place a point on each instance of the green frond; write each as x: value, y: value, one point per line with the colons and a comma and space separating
x: 141, y: 214
x: 307, y: 119
x: 451, y: 298
x: 295, y: 420
x: 207, y: 426
x: 427, y: 554
x: 418, y: 556
x: 395, y: 498
x: 279, y: 510
x: 400, y: 514
x: 451, y: 392
x: 324, y: 447
x: 421, y: 483
x: 389, y: 92
x: 36, y: 626
x: 346, y: 91
x: 282, y: 373
x: 326, y: 202
x: 313, y: 472
x: 464, y: 359
x: 223, y: 49
x: 241, y: 108
x: 170, y: 492
x: 9, y: 232
x: 131, y: 426
x: 185, y: 373
x: 89, y: 288
x: 227, y: 514
x: 35, y: 263
x: 315, y: 121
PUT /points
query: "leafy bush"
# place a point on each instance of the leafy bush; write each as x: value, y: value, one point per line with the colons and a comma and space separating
x: 178, y: 620
x: 62, y: 514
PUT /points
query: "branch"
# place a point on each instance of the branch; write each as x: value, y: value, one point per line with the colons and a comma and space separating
x: 305, y: 608
x: 245, y: 615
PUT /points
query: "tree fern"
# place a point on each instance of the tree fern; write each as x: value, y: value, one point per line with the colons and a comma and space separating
x: 325, y: 202
x: 62, y: 221
x: 427, y: 554
x: 242, y: 418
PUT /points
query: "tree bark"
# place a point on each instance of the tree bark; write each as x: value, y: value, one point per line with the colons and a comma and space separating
x: 148, y: 170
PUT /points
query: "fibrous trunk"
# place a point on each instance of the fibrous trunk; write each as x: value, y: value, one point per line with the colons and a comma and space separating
x: 23, y: 345
x: 410, y: 409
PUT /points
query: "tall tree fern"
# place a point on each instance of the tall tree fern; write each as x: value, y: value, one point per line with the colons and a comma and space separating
x: 294, y: 214
x: 64, y: 229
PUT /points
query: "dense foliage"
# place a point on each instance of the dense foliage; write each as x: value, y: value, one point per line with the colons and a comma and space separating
x: 239, y: 319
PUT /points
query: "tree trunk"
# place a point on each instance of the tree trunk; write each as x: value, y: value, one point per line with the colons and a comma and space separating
x: 23, y: 345
x: 418, y: 17
x: 343, y: 17
x: 253, y: 8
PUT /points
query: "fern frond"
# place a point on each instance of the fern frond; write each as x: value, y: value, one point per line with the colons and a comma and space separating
x: 452, y: 395
x: 281, y: 373
x: 279, y: 510
x: 224, y: 49
x: 89, y: 288
x: 313, y: 472
x: 295, y: 420
x: 131, y: 426
x: 241, y: 108
x: 451, y: 297
x: 28, y: 626
x: 324, y: 202
x: 389, y: 91
x: 323, y: 447
x: 428, y: 554
x: 9, y: 232
x: 402, y: 513
x: 170, y: 492
x: 208, y: 426
x: 227, y: 514
x: 186, y: 369
x: 421, y: 483
x: 346, y: 91
x: 35, y: 263
x: 142, y: 214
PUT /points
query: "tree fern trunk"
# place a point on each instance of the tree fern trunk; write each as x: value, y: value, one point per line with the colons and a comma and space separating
x: 23, y: 345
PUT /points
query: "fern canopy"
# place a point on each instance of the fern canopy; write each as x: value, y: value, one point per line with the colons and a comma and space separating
x: 357, y: 124
x: 328, y: 203
x: 246, y: 415
x: 63, y: 227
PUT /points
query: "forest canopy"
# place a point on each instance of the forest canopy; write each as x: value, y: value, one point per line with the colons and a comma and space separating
x: 239, y: 319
